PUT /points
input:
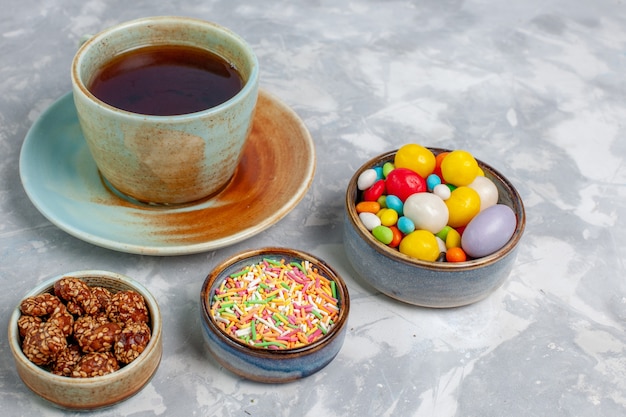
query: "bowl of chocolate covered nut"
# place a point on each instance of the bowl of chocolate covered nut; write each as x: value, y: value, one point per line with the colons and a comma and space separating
x: 86, y: 339
x: 432, y: 227
x: 274, y: 315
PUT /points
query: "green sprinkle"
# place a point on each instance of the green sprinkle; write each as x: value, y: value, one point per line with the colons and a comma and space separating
x: 272, y: 261
x: 316, y: 313
x: 252, y: 302
x: 333, y: 287
x: 299, y: 266
x: 228, y: 304
x: 240, y: 273
x: 270, y: 343
x: 285, y: 285
x: 322, y: 328
x: 253, y: 329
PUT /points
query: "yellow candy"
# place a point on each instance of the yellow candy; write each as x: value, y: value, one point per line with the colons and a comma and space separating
x: 420, y: 244
x: 463, y: 205
x: 459, y: 168
x: 453, y: 239
x: 416, y: 158
x: 388, y: 217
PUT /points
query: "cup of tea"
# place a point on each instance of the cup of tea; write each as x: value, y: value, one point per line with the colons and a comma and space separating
x: 165, y: 105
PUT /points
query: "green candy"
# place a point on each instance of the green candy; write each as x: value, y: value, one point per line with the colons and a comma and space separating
x: 383, y: 234
x: 443, y: 233
x: 387, y: 168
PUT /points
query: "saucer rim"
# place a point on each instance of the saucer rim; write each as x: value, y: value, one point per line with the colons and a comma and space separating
x: 162, y: 247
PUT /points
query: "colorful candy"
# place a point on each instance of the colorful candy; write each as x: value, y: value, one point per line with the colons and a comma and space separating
x: 420, y: 244
x: 402, y: 182
x: 427, y: 211
x: 463, y: 205
x: 487, y: 191
x: 416, y: 158
x: 394, y: 203
x: 489, y: 231
x: 383, y: 233
x: 459, y: 168
x: 375, y: 191
x: 367, y: 179
x: 368, y: 207
x: 276, y: 305
x: 424, y: 205
x: 388, y: 217
x: 405, y: 225
x: 369, y: 220
x: 455, y: 254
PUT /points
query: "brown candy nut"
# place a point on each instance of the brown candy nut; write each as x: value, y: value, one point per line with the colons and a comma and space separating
x: 42, y: 345
x: 103, y: 296
x: 100, y: 338
x: 66, y: 360
x: 40, y: 305
x: 132, y: 342
x: 77, y: 292
x: 26, y: 324
x: 95, y: 364
x: 127, y: 306
x: 63, y: 319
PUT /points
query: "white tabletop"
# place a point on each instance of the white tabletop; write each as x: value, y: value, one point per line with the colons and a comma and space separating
x: 535, y: 88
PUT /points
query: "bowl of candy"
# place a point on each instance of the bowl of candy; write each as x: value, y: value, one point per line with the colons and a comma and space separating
x: 432, y: 227
x: 86, y: 339
x: 274, y: 315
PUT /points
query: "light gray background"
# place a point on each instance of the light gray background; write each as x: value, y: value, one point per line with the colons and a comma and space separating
x: 535, y: 88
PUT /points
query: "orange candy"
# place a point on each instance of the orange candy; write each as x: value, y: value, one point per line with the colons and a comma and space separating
x: 456, y: 255
x: 397, y: 237
x: 438, y: 160
x: 368, y: 207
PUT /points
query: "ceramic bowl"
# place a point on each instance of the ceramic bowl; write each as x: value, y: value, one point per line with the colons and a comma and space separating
x: 423, y: 283
x: 260, y: 363
x: 96, y: 392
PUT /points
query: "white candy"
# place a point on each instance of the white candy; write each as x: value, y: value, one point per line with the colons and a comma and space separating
x: 441, y: 244
x: 487, y: 191
x: 442, y: 191
x: 427, y: 211
x: 367, y: 179
x: 369, y: 220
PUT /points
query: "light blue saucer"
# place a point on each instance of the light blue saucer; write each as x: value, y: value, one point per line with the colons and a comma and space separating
x: 62, y: 181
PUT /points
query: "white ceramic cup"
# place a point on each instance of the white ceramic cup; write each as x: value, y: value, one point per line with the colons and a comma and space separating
x: 166, y: 159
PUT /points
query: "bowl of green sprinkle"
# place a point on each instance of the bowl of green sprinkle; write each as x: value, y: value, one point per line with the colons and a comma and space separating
x: 274, y: 315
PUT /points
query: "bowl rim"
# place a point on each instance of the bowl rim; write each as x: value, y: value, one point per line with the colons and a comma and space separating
x: 241, y: 257
x: 368, y: 237
x: 46, y: 285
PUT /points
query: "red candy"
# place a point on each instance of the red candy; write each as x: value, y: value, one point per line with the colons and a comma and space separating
x: 375, y: 191
x: 402, y: 182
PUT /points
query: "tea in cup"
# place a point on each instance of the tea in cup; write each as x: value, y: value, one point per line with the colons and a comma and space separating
x: 166, y: 105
